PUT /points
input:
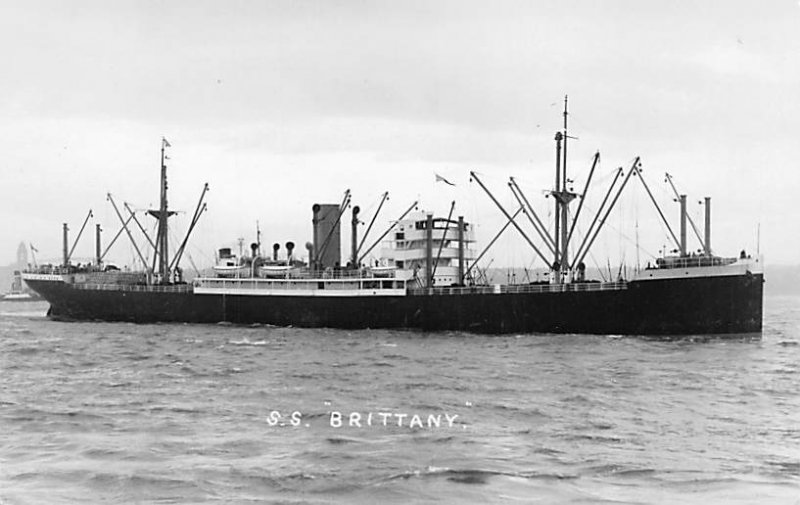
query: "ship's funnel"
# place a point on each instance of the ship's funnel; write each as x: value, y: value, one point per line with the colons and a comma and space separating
x: 327, y: 236
x: 254, y: 248
x: 275, y: 247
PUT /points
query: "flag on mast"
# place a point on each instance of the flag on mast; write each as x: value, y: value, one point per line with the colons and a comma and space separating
x: 166, y: 142
x: 439, y: 178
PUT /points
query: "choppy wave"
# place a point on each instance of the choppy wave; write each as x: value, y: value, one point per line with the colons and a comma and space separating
x: 121, y: 413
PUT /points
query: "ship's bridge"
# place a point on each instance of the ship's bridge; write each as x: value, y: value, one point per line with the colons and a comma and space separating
x: 407, y: 249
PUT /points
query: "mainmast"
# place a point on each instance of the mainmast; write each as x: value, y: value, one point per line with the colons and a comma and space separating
x: 565, y: 204
x: 162, y: 214
x: 162, y: 218
x: 563, y: 197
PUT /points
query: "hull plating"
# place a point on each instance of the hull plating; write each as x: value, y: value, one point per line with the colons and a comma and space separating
x: 709, y: 305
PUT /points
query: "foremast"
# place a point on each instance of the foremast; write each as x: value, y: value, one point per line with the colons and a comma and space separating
x: 161, y: 252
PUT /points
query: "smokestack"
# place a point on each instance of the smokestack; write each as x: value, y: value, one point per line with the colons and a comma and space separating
x: 327, y: 235
x: 66, y: 245
x: 707, y: 243
x: 275, y: 248
x: 461, y: 250
x: 97, y: 248
x: 354, y: 237
x: 429, y: 251
x: 683, y: 225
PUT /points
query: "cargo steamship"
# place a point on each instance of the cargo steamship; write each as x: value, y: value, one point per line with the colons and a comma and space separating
x: 426, y: 278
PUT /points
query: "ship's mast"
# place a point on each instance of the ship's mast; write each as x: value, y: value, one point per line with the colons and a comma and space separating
x: 563, y: 197
x: 557, y: 216
x: 163, y: 218
x: 565, y: 203
x: 258, y: 239
x: 161, y: 253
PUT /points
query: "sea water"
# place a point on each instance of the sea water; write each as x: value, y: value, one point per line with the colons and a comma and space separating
x: 170, y: 413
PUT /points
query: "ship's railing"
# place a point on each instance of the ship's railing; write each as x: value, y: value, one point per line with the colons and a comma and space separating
x: 314, y: 283
x: 305, y: 273
x: 522, y: 288
x: 694, y: 261
x: 330, y: 273
x: 75, y: 269
x: 155, y: 288
x: 50, y: 270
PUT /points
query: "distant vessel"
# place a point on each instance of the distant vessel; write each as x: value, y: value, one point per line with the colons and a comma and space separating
x: 426, y: 278
x: 18, y: 291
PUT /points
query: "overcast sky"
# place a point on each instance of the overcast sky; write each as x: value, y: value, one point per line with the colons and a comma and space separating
x: 278, y: 105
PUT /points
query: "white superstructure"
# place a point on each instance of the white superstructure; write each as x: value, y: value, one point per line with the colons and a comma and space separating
x: 407, y: 249
x: 701, y: 266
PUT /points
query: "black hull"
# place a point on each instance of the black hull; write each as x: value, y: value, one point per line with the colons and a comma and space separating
x: 683, y: 306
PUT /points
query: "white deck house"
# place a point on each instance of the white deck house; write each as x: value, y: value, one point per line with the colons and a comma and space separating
x: 407, y: 249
